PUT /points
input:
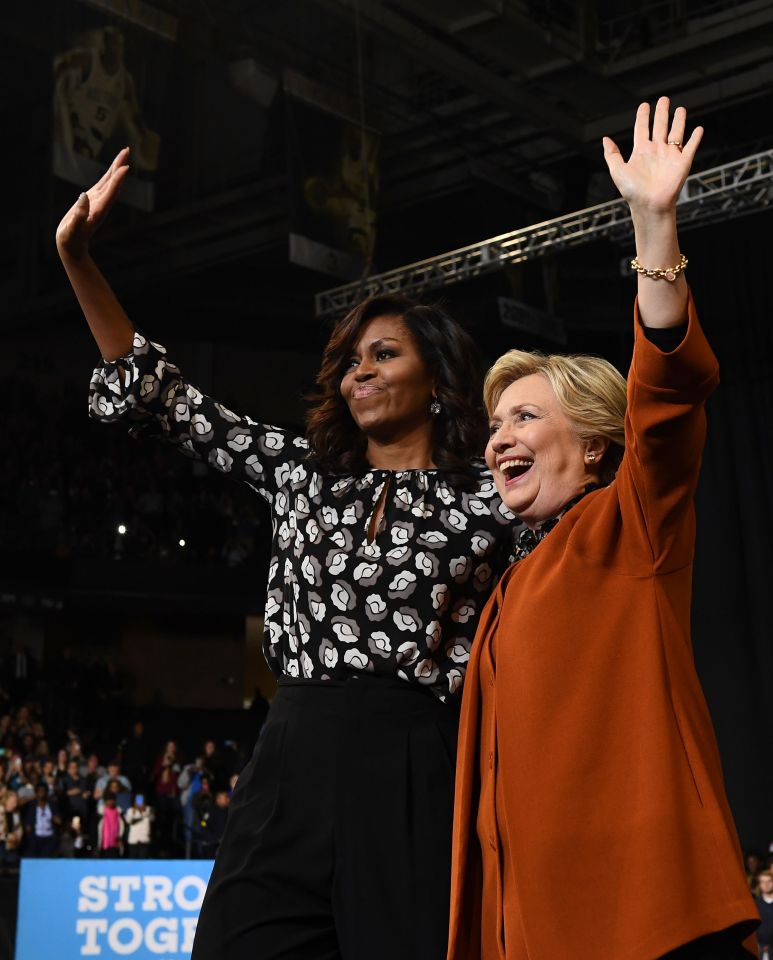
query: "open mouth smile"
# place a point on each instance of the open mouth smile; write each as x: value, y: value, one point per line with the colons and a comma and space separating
x: 515, y: 469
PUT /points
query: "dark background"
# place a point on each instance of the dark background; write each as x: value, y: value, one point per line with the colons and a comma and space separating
x: 490, y: 114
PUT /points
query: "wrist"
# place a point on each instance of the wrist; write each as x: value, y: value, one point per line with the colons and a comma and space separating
x: 653, y: 218
x: 73, y: 256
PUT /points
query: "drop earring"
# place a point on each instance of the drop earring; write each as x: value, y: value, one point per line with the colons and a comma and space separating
x: 434, y: 407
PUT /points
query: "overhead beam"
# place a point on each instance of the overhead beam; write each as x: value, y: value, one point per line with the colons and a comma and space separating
x: 720, y: 193
x: 711, y: 96
x: 442, y: 57
x: 745, y: 18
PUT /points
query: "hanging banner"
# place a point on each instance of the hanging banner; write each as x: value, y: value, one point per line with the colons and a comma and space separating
x: 333, y: 177
x: 109, y: 87
x: 144, y: 909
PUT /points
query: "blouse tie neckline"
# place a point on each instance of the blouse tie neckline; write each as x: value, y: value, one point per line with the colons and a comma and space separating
x: 528, y: 539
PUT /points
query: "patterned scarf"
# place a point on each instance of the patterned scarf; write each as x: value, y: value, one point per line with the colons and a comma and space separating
x: 528, y: 539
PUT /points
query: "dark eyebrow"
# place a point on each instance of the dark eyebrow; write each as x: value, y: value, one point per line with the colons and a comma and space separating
x: 377, y: 344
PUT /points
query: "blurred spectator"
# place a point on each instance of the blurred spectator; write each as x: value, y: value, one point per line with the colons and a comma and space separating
x: 166, y: 772
x: 76, y: 792
x: 139, y: 818
x: 135, y: 756
x: 41, y: 825
x: 217, y: 819
x: 23, y: 780
x: 190, y: 781
x: 113, y: 773
x: 218, y: 763
x: 765, y: 905
x: 74, y: 842
x: 122, y: 796
x: 11, y: 832
x: 203, y: 807
x: 110, y: 828
x: 754, y: 862
x: 52, y: 808
x: 93, y: 771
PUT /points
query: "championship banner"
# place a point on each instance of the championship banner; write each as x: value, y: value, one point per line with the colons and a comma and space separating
x: 144, y: 909
x: 109, y: 85
x: 333, y: 178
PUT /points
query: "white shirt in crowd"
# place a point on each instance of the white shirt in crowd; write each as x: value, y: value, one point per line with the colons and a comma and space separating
x: 139, y: 820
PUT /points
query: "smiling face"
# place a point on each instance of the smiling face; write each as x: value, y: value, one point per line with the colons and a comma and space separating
x: 534, y: 453
x: 386, y: 384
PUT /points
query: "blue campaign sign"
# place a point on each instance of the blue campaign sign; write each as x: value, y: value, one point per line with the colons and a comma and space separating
x: 143, y: 909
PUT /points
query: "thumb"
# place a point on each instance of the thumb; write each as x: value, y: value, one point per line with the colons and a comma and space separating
x: 82, y: 207
x: 612, y: 155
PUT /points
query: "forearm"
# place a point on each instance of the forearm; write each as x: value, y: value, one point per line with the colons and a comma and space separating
x: 661, y: 303
x: 109, y: 324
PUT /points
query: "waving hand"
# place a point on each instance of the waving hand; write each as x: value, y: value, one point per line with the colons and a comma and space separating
x: 653, y: 175
x: 90, y: 209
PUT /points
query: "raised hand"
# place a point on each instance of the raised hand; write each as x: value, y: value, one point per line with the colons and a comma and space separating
x: 90, y: 209
x: 659, y: 163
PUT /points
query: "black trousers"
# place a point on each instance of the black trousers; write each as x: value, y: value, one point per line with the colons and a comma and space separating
x: 338, y: 841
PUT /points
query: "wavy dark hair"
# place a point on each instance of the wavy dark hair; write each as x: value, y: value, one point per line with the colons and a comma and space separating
x: 459, y: 430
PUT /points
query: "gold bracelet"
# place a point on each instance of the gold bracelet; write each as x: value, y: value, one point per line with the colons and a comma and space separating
x: 660, y: 273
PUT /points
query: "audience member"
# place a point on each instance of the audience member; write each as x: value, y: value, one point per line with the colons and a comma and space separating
x: 11, y: 832
x: 76, y: 792
x: 139, y: 818
x: 764, y: 900
x: 113, y: 773
x: 42, y: 823
x: 135, y: 756
x: 166, y: 772
x: 110, y: 828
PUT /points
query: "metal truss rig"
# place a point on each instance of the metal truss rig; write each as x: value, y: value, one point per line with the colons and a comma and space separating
x: 721, y: 193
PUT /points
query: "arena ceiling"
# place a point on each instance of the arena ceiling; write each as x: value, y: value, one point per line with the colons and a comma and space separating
x: 490, y: 114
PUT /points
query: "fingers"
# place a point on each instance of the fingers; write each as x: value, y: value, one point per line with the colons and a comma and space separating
x: 612, y: 155
x: 113, y: 187
x: 81, y: 206
x: 660, y: 121
x: 677, y: 125
x: 691, y: 147
x: 119, y: 159
x: 641, y: 127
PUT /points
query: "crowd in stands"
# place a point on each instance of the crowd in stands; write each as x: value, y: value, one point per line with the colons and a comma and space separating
x: 77, y: 781
x: 70, y: 488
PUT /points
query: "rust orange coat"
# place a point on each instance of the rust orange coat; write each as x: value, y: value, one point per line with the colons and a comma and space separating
x: 617, y: 832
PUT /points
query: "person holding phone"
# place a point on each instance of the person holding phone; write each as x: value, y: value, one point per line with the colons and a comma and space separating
x: 139, y: 819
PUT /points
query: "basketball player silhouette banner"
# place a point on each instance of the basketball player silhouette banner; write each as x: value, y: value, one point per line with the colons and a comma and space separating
x: 109, y: 85
x: 333, y: 176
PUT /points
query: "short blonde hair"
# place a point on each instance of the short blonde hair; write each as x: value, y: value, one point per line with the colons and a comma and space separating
x: 591, y: 392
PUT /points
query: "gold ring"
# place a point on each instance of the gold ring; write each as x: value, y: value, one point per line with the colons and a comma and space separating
x: 675, y: 143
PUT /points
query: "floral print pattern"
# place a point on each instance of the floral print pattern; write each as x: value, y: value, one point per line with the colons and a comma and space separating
x: 405, y: 604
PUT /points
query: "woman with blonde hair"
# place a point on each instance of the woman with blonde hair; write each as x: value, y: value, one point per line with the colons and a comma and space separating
x: 590, y: 816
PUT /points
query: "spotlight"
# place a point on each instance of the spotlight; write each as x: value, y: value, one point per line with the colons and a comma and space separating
x: 121, y: 528
x: 181, y: 542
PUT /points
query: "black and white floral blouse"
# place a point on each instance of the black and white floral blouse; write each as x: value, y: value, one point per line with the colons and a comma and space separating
x: 405, y: 604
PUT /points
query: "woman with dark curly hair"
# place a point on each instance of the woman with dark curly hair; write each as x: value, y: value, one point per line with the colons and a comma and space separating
x: 388, y: 537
